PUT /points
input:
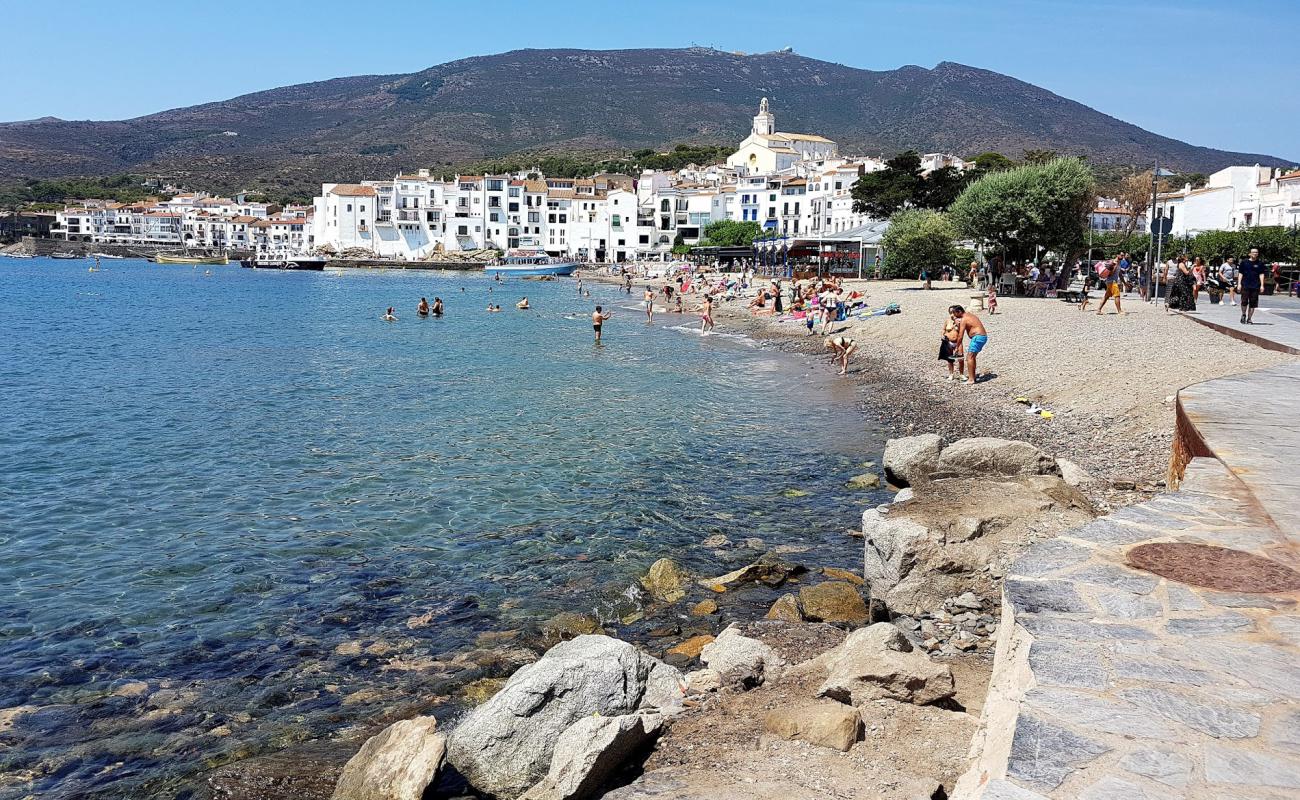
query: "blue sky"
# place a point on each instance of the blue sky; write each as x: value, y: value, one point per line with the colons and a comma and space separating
x: 1211, y: 72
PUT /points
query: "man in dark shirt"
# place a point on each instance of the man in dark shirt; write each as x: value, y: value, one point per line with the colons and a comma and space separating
x: 1250, y: 282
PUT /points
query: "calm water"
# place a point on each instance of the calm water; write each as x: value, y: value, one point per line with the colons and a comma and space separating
x: 210, y: 483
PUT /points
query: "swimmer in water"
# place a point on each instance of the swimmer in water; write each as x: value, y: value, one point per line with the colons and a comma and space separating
x: 423, y: 308
x: 389, y: 316
x: 522, y: 305
x: 598, y: 318
x: 437, y: 306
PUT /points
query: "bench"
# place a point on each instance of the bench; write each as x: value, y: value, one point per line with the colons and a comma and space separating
x: 1076, y: 292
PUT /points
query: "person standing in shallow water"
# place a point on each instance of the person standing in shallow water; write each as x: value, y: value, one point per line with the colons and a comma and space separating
x: 649, y: 304
x: 598, y: 318
x: 437, y: 306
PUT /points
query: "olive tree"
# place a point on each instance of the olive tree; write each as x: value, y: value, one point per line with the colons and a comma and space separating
x: 1037, y: 204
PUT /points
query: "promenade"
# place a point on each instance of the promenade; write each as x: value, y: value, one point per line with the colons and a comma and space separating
x: 1155, y: 653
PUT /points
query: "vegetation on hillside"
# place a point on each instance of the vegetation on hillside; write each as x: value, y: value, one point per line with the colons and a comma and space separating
x: 54, y: 193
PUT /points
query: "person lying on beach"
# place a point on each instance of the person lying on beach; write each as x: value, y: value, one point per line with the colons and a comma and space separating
x: 759, y: 302
x: 389, y: 316
x: 598, y: 318
x: 522, y: 305
x: 423, y: 308
x: 842, y: 347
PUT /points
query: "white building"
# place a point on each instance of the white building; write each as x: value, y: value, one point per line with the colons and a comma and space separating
x: 768, y: 150
x: 1234, y: 198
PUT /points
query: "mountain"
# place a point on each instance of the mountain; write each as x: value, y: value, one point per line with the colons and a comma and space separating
x: 584, y: 100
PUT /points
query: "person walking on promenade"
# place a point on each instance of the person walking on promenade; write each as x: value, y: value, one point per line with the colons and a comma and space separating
x: 598, y: 318
x: 1182, y: 295
x: 1228, y: 278
x: 842, y: 347
x: 649, y: 300
x: 1250, y: 282
x: 969, y: 325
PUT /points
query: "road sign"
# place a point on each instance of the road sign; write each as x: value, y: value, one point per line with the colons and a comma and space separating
x: 1162, y: 225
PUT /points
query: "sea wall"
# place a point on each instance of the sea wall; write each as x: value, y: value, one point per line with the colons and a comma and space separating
x: 1112, y: 681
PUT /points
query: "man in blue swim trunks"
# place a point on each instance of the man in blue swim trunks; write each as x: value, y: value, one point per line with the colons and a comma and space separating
x: 969, y: 325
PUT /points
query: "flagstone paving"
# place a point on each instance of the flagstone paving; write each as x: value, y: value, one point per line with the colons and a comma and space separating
x: 1144, y: 687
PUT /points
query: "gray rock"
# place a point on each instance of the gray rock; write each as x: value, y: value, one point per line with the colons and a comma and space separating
x: 1107, y: 531
x: 590, y: 751
x: 904, y: 495
x: 877, y: 662
x: 1167, y: 767
x: 1204, y: 715
x: 911, y: 458
x: 1093, y: 713
x: 1237, y: 766
x: 1051, y: 625
x: 1285, y: 731
x: 398, y: 763
x: 1076, y: 666
x: 1125, y: 605
x: 1043, y: 754
x: 1006, y: 790
x: 505, y: 745
x: 1210, y: 626
x: 703, y: 681
x: 715, y: 541
x: 1160, y: 671
x: 1074, y: 474
x: 967, y: 600
x: 1114, y: 577
x: 1050, y: 556
x: 986, y: 456
x: 741, y: 661
x: 1183, y: 599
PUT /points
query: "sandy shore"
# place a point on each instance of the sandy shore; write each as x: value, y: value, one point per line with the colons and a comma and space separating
x: 1107, y: 379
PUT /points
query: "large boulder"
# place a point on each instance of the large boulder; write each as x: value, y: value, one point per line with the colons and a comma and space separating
x: 666, y: 581
x: 833, y: 601
x: 827, y: 724
x: 742, y: 662
x: 590, y: 751
x: 911, y: 458
x: 878, y: 662
x: 398, y: 763
x: 505, y: 746
x: 941, y: 543
x: 988, y: 457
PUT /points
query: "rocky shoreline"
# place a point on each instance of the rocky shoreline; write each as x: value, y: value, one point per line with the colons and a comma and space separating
x: 856, y: 684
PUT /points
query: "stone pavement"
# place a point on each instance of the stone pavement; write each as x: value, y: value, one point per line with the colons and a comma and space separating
x: 1115, y: 683
x: 1276, y: 322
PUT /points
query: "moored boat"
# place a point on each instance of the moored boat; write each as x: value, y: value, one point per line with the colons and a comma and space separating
x: 307, y: 263
x: 67, y: 255
x: 105, y: 255
x: 185, y: 258
x: 531, y: 262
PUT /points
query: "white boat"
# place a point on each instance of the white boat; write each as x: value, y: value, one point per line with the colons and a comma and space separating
x: 18, y: 255
x: 105, y: 255
x: 532, y: 262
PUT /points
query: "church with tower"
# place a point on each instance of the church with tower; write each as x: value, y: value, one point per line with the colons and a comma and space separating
x: 768, y: 150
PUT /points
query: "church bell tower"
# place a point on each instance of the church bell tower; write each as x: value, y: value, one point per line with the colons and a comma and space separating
x: 764, y: 122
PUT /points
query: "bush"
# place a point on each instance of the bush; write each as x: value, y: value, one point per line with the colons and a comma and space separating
x: 917, y: 239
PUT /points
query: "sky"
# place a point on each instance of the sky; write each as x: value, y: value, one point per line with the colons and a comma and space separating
x: 1218, y: 73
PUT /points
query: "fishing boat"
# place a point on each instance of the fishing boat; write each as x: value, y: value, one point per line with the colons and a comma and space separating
x: 532, y: 262
x: 67, y: 255
x: 308, y: 263
x: 186, y: 258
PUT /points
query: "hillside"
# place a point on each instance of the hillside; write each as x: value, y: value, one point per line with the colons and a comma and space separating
x: 552, y: 100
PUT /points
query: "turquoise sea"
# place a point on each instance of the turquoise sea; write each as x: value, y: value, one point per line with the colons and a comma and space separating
x: 239, y: 511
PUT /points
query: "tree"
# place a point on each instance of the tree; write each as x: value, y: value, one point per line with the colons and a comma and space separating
x: 992, y: 162
x: 1037, y: 204
x: 899, y: 185
x: 730, y: 233
x: 942, y: 187
x: 1134, y: 195
x: 917, y: 239
x: 1040, y: 157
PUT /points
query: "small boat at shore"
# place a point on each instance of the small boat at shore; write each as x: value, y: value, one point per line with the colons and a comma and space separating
x: 532, y: 262
x: 192, y: 260
x: 303, y: 263
x: 105, y: 255
x: 17, y: 255
x: 67, y: 255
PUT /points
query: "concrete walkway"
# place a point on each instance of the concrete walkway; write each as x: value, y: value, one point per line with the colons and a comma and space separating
x: 1276, y: 323
x: 1113, y: 683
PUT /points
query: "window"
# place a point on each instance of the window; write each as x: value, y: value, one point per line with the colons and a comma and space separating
x: 550, y: 218
x: 644, y: 239
x: 362, y: 209
x: 494, y: 185
x: 534, y: 216
x: 462, y: 230
x: 349, y: 208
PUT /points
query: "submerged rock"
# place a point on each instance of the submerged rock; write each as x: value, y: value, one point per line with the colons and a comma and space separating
x: 704, y: 608
x: 304, y: 772
x: 666, y: 581
x: 590, y: 751
x: 863, y: 482
x: 768, y: 570
x: 911, y: 458
x: 568, y: 624
x: 833, y: 601
x: 786, y: 608
x: 398, y: 763
x: 505, y: 746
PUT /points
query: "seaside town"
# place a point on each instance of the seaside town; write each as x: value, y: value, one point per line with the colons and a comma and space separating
x: 803, y: 473
x: 796, y: 186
